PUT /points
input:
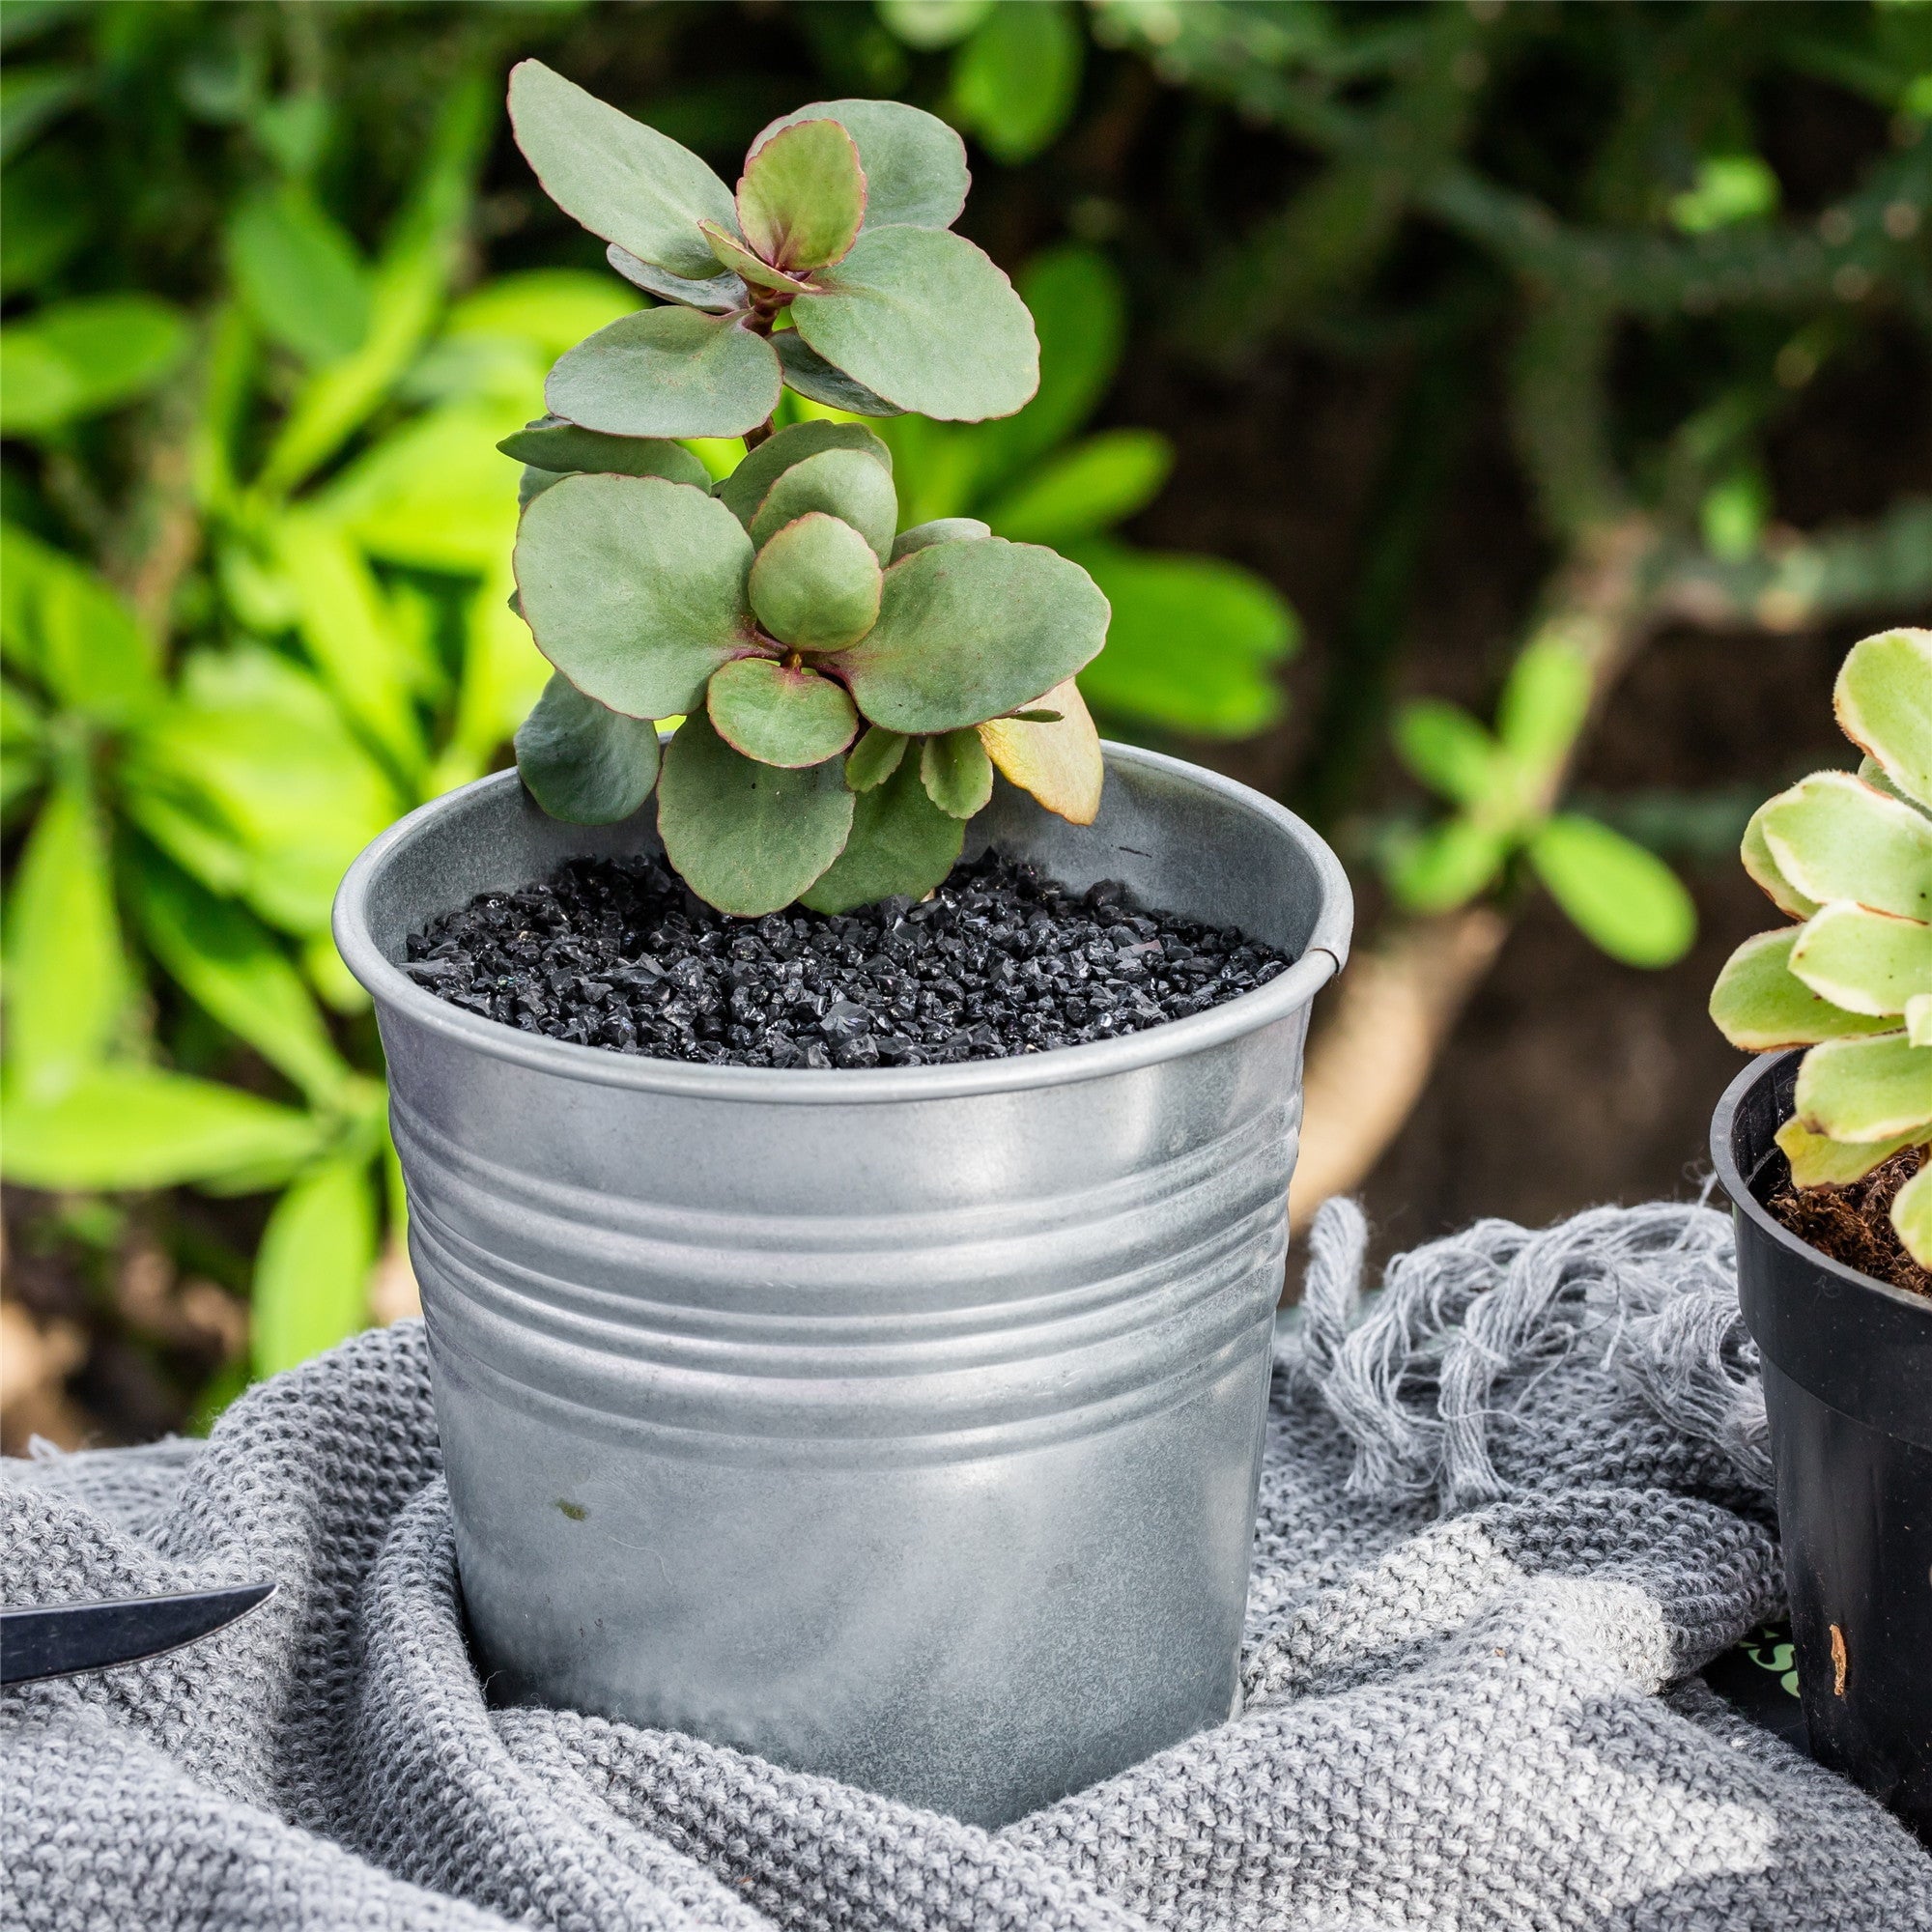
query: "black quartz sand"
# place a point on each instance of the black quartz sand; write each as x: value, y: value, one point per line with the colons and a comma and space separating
x: 998, y: 961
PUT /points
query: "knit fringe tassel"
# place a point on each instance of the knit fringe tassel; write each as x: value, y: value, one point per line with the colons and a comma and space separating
x: 1462, y: 1327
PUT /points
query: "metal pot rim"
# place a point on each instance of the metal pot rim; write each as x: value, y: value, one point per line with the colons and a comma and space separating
x: 1733, y: 1181
x: 1323, y: 955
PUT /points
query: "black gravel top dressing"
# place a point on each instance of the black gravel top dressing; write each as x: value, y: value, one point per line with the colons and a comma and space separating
x: 999, y: 962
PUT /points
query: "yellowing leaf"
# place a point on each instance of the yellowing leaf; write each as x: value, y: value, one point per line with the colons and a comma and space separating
x: 1059, y: 764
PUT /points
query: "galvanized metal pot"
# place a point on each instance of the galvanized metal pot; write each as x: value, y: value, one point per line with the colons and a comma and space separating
x: 902, y: 1424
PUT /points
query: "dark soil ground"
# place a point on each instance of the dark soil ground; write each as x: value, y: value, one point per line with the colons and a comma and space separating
x: 1853, y: 1224
x: 997, y: 962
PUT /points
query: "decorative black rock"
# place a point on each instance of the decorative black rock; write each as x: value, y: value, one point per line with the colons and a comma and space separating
x: 998, y: 961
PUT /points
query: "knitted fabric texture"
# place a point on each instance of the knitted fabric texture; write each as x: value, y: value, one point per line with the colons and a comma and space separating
x: 1508, y: 1511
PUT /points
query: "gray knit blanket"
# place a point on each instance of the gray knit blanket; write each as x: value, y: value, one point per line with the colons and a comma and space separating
x: 1513, y: 1501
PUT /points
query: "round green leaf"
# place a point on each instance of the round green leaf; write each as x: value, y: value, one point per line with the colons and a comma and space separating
x: 744, y: 490
x: 1621, y: 896
x: 1911, y: 1216
x: 552, y: 443
x: 808, y: 371
x: 583, y: 763
x: 1818, y: 1162
x: 925, y: 320
x: 634, y: 588
x: 1443, y: 746
x: 1865, y: 1090
x: 1884, y: 703
x: 900, y: 844
x: 956, y: 773
x: 746, y: 837
x: 719, y: 294
x: 1868, y: 963
x: 842, y: 483
x: 968, y: 630
x: 802, y: 195
x: 668, y: 372
x: 621, y: 180
x: 815, y: 585
x: 875, y: 757
x: 1759, y: 1003
x: 749, y: 265
x: 1833, y: 837
x: 941, y: 530
x: 780, y: 716
x: 1764, y: 873
x: 915, y: 165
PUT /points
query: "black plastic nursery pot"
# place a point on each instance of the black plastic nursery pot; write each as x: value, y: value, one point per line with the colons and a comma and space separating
x: 1847, y: 1365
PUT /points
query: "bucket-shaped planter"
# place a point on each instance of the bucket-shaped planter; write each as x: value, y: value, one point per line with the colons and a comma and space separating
x: 902, y: 1425
x: 1847, y: 1366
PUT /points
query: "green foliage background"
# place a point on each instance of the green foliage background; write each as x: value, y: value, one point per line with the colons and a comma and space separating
x: 275, y: 283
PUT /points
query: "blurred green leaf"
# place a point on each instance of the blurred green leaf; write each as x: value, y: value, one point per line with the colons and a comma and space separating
x: 34, y: 98
x: 1445, y: 867
x: 550, y: 309
x: 1623, y: 899
x: 230, y: 966
x: 45, y: 215
x: 69, y: 631
x: 1086, y: 489
x: 1734, y: 513
x: 410, y: 279
x: 78, y: 358
x: 1079, y: 310
x: 1016, y: 80
x: 927, y: 24
x: 251, y: 779
x: 299, y: 273
x: 432, y: 492
x: 23, y: 731
x: 1446, y: 750
x: 1545, y: 701
x: 1729, y: 188
x: 135, y: 1128
x: 346, y: 626
x: 311, y: 1285
x: 1192, y: 643
x: 67, y: 980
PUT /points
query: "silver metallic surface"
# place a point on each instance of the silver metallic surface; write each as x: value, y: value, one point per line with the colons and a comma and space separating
x: 899, y: 1424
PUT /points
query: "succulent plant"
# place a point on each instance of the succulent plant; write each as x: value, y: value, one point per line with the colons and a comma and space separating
x: 1849, y: 856
x: 841, y: 222
x: 847, y: 689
